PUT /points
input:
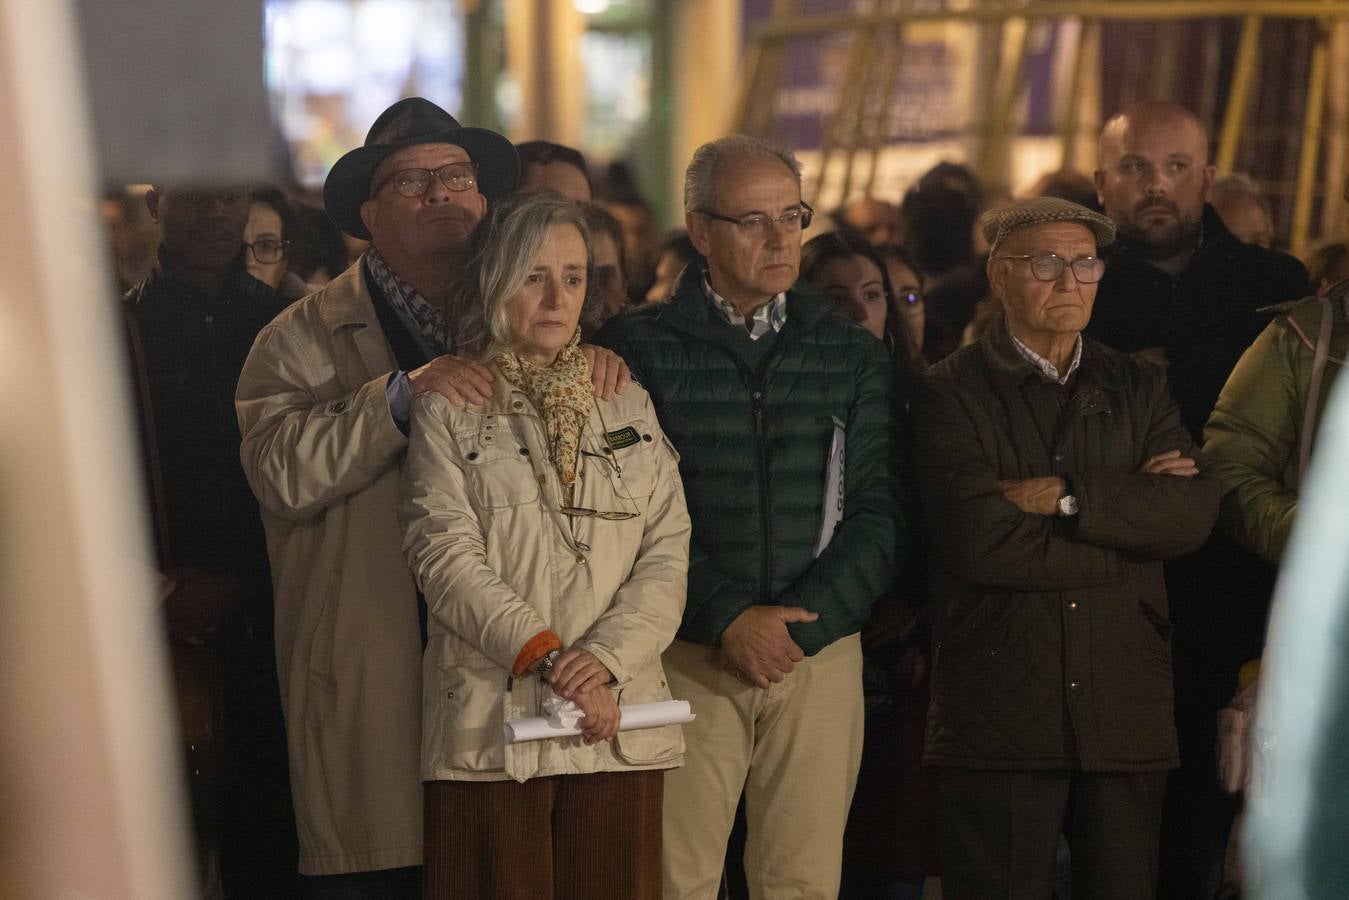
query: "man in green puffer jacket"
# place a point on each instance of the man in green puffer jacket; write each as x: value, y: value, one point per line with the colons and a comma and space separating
x: 1260, y: 435
x: 759, y: 384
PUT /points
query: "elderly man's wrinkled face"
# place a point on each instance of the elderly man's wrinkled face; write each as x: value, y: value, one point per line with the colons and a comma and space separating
x: 1035, y: 307
x: 757, y: 256
x: 1153, y: 181
x: 202, y: 228
x: 425, y: 226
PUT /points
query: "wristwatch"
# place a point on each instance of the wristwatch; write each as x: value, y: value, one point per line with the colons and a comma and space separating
x: 1067, y: 505
x: 545, y: 664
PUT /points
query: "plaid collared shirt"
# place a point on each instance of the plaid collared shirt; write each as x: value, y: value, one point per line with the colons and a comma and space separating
x: 1044, y: 366
x: 769, y: 317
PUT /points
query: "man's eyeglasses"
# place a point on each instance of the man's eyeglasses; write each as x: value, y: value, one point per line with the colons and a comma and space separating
x: 458, y: 176
x: 268, y: 251
x: 759, y: 225
x: 1086, y: 269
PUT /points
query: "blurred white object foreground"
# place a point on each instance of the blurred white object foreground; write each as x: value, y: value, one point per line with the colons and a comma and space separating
x: 1297, y: 836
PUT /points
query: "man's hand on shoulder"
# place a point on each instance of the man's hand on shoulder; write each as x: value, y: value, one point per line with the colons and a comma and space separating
x: 458, y: 380
x: 608, y: 371
x: 757, y: 648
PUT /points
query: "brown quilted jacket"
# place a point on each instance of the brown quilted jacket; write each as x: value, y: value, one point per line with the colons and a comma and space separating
x: 1051, y: 635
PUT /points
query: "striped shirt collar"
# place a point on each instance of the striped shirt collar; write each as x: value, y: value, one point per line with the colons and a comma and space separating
x: 1044, y: 366
x: 771, y: 316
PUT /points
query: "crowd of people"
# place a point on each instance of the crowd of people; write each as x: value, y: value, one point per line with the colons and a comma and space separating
x: 954, y: 524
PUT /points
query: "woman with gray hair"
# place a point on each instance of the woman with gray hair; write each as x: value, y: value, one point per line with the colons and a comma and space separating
x: 548, y: 532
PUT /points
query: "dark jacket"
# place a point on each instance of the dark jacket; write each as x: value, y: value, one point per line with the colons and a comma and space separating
x: 753, y: 425
x: 1051, y: 645
x: 193, y: 346
x: 1205, y: 318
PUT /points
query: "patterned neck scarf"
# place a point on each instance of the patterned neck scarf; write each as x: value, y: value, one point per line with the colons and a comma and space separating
x: 432, y: 330
x: 564, y: 396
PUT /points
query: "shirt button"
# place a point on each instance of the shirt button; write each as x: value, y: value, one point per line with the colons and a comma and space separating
x: 518, y: 404
x: 1072, y: 605
x: 580, y: 559
x: 337, y: 407
x: 472, y: 456
x: 646, y: 437
x: 1073, y: 685
x: 1058, y: 457
x: 524, y: 451
x: 543, y: 479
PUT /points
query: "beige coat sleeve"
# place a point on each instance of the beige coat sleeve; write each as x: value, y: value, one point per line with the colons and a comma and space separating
x: 446, y: 548
x: 645, y: 613
x: 301, y: 453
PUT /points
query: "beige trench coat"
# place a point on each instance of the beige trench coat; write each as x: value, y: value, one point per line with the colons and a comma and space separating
x: 498, y: 563
x: 322, y: 453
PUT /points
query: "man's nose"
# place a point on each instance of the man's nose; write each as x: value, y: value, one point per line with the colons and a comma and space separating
x: 438, y: 192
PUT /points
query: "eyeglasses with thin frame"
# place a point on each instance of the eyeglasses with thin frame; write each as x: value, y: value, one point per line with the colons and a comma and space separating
x: 1049, y: 266
x: 268, y: 251
x: 457, y: 176
x: 583, y: 512
x: 759, y: 225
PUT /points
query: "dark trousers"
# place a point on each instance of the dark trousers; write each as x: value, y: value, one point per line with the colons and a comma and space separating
x: 382, y: 884
x: 567, y: 837
x: 1000, y: 832
x: 258, y: 846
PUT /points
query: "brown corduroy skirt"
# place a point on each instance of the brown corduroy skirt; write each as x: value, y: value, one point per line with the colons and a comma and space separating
x: 568, y: 837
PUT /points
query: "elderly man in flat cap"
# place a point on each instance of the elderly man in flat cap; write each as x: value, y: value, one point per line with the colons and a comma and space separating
x: 1056, y: 475
x: 323, y: 406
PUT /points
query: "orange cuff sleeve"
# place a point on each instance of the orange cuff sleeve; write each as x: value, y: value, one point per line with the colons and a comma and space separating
x: 535, y: 649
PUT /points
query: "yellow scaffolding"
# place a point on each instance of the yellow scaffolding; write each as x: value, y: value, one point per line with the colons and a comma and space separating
x: 859, y: 125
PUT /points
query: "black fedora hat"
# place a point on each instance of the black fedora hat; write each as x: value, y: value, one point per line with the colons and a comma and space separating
x: 407, y: 123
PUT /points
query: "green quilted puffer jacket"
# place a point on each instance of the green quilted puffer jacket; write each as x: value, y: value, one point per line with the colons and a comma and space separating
x: 753, y: 429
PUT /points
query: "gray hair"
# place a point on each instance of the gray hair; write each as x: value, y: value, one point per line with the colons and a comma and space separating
x: 501, y: 255
x: 701, y: 176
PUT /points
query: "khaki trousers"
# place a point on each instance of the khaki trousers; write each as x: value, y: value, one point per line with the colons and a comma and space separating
x: 794, y: 749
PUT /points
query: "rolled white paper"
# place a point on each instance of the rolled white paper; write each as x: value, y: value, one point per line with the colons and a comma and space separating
x: 631, y: 718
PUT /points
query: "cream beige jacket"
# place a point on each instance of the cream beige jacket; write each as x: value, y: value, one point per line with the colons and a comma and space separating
x: 499, y: 562
x: 322, y: 453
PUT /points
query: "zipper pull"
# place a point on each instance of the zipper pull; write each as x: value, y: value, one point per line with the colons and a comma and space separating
x: 757, y: 406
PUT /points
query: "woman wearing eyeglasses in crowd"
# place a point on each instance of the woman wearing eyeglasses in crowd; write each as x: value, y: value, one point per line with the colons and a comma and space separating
x: 272, y: 226
x: 548, y: 532
x: 890, y: 843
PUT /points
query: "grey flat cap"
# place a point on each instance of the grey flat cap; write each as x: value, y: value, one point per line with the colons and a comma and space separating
x: 998, y: 224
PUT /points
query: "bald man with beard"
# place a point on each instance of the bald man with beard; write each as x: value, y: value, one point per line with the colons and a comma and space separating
x: 1182, y: 291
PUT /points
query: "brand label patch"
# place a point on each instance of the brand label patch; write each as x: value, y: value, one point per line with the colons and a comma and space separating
x: 624, y: 437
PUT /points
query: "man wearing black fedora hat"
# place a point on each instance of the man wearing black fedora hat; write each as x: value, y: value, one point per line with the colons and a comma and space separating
x: 323, y: 408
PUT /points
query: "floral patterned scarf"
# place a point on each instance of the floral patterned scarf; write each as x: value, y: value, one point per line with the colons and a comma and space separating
x: 564, y: 396
x: 433, y: 329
